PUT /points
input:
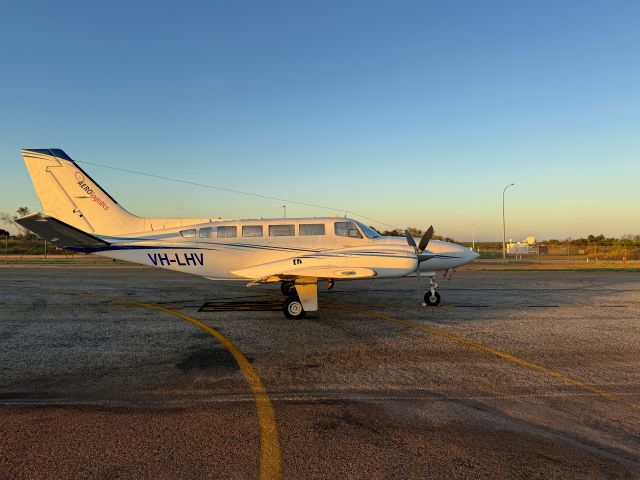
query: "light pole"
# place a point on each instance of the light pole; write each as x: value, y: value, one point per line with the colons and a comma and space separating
x: 473, y: 241
x: 504, y: 228
x: 284, y: 208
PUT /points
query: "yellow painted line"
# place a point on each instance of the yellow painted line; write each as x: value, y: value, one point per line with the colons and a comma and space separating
x: 270, y: 458
x: 270, y: 464
x: 498, y: 353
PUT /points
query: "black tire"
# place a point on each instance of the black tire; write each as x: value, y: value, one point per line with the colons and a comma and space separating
x: 292, y: 308
x: 288, y: 288
x: 432, y: 301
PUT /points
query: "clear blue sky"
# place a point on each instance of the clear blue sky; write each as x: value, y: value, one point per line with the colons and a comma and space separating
x: 414, y: 113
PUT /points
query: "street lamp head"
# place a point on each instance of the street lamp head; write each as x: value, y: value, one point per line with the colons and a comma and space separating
x: 505, y: 188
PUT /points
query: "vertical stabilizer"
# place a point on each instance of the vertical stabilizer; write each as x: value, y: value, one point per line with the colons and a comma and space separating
x: 69, y: 194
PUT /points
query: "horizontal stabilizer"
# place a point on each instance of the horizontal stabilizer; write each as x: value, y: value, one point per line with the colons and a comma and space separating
x: 59, y: 233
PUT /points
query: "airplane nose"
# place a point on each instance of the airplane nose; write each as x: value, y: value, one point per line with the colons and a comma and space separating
x: 464, y: 254
x: 469, y: 255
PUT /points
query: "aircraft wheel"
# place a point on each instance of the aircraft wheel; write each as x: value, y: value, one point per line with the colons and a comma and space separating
x: 432, y: 300
x: 293, y: 308
x: 288, y: 288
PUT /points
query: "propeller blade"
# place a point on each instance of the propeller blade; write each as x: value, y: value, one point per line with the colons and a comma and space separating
x: 410, y: 240
x: 425, y: 256
x: 425, y: 239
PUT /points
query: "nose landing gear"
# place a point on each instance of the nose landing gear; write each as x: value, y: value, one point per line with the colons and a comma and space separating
x: 432, y: 298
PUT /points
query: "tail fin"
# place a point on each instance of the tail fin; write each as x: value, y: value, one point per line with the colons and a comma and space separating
x: 69, y: 194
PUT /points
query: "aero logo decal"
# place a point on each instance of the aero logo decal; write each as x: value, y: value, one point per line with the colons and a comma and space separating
x: 82, y: 184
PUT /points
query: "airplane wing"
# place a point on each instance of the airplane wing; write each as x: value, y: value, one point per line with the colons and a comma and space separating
x: 318, y: 267
x: 59, y: 233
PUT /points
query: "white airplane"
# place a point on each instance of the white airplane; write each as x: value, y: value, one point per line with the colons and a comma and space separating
x: 297, y: 252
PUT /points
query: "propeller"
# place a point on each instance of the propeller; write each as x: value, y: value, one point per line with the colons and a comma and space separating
x: 421, y: 247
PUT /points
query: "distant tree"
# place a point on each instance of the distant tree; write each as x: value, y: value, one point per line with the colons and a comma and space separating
x: 9, y: 219
x: 4, y: 233
x: 416, y: 232
x: 631, y: 238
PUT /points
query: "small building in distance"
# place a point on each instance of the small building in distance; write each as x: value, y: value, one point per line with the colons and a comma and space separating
x: 521, y: 248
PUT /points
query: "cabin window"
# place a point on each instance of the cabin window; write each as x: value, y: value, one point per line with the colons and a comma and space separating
x: 227, y: 232
x: 252, y: 230
x: 347, y: 229
x: 188, y: 233
x: 204, y: 232
x: 282, y: 230
x: 311, y: 229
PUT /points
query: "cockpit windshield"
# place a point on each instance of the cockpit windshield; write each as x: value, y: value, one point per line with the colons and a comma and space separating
x: 368, y: 231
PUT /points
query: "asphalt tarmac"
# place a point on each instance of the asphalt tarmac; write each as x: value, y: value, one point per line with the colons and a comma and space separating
x: 127, y: 372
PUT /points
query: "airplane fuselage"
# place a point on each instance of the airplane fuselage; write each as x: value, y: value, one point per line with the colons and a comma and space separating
x: 216, y: 249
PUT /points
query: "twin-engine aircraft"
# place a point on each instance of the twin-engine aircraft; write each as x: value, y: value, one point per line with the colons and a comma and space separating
x: 297, y: 252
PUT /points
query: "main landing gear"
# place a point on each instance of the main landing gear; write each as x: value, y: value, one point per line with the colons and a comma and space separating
x: 288, y: 288
x: 432, y: 298
x: 302, y: 297
x: 292, y: 306
x: 293, y: 309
